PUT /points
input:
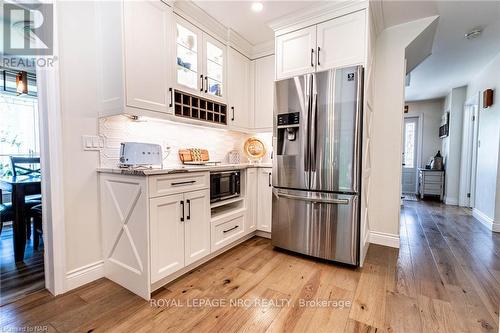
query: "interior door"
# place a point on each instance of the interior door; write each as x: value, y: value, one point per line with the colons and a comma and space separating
x: 147, y: 60
x: 197, y: 225
x: 336, y: 130
x: 341, y: 41
x: 323, y: 225
x: 296, y: 53
x: 410, y: 157
x: 167, y: 235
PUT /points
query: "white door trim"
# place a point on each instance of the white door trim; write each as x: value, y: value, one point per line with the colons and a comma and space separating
x: 420, y: 123
x: 51, y: 160
x: 469, y: 152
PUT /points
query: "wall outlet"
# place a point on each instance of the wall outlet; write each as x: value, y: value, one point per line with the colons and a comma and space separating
x: 92, y: 142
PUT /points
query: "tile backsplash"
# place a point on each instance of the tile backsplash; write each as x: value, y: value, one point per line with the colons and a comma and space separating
x: 218, y: 142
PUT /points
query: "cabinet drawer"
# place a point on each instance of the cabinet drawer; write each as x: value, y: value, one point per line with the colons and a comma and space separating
x: 430, y: 178
x: 428, y: 188
x: 227, y: 230
x: 177, y: 183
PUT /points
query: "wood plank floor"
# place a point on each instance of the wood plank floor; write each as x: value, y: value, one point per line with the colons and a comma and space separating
x: 19, y: 279
x: 445, y: 278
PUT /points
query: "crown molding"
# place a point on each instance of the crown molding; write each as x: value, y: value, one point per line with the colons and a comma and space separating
x: 377, y: 16
x: 239, y: 43
x: 263, y: 49
x: 198, y: 17
x: 315, y: 14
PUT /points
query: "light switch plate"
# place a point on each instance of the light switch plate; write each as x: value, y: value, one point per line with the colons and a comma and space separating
x: 92, y: 142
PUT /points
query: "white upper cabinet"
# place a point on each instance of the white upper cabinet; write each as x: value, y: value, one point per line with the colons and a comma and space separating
x: 214, y: 58
x: 338, y: 42
x: 188, y: 60
x: 238, y: 90
x: 296, y: 53
x: 264, y: 93
x: 148, y: 39
x: 200, y: 62
x: 341, y: 42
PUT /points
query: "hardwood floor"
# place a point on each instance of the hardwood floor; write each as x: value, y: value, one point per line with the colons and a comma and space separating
x: 444, y: 278
x: 18, y: 280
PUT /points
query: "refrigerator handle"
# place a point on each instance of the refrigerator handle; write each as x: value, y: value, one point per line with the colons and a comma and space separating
x: 307, y: 159
x: 318, y: 200
x: 312, y: 137
x: 357, y: 128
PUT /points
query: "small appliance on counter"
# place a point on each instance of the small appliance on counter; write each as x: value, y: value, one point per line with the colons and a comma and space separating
x: 195, y: 156
x: 224, y: 185
x: 140, y: 154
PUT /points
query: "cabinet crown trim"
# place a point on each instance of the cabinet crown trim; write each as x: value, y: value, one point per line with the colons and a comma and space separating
x: 315, y: 14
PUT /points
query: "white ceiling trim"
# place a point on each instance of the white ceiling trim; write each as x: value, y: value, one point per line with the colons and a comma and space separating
x: 315, y: 15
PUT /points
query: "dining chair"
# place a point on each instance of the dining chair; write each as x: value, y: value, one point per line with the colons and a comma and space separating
x: 36, y: 213
x: 24, y: 165
x: 7, y: 213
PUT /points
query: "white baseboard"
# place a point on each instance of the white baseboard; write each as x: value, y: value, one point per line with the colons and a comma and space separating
x: 382, y: 238
x: 83, y: 275
x: 264, y: 234
x: 486, y: 220
x: 451, y: 201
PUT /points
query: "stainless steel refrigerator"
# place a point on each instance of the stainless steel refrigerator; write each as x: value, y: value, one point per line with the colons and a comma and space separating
x: 317, y: 164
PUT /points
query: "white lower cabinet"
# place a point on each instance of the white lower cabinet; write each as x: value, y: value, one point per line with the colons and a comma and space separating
x: 167, y: 235
x: 264, y: 200
x: 180, y: 231
x: 227, y: 229
x: 251, y: 200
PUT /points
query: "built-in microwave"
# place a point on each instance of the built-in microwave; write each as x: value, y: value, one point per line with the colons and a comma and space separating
x: 224, y: 185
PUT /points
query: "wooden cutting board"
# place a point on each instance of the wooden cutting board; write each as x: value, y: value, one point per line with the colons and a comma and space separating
x: 193, y: 155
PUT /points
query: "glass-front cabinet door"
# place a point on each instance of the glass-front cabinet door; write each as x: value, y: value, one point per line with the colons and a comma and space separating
x: 214, y: 65
x: 188, y: 65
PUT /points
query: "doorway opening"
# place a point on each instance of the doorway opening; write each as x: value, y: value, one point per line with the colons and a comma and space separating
x: 411, y: 154
x: 22, y: 246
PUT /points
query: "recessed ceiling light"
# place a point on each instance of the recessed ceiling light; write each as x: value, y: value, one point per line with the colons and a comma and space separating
x: 257, y: 6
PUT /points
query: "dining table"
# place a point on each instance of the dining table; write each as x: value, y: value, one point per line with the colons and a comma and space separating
x: 20, y: 187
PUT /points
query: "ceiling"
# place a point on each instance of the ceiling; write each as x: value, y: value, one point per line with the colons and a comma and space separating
x: 252, y: 26
x: 454, y: 60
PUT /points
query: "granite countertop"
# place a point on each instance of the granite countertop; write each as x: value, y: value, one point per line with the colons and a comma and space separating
x: 182, y: 168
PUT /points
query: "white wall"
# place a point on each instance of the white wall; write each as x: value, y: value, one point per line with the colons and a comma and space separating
x: 431, y: 112
x: 218, y: 142
x: 452, y: 145
x: 78, y: 75
x: 387, y: 126
x: 488, y: 166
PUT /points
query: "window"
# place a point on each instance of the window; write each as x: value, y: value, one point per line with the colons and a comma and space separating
x: 409, y: 153
x: 19, y: 129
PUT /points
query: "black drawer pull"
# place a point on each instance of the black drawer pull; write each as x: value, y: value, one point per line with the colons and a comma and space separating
x: 228, y: 230
x: 182, y: 205
x: 189, y: 209
x: 312, y: 54
x: 184, y: 183
x: 171, y: 97
x: 201, y: 77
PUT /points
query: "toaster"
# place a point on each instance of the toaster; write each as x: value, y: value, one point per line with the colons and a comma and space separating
x: 140, y: 154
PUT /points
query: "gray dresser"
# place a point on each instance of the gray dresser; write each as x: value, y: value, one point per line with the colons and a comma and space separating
x: 430, y: 182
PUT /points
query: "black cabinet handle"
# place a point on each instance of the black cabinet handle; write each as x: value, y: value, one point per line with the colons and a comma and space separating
x: 201, y: 77
x: 319, y: 49
x: 312, y: 54
x: 232, y: 108
x: 206, y: 84
x: 183, y: 183
x: 231, y: 229
x: 189, y: 209
x: 269, y: 179
x: 182, y: 205
x: 171, y: 97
